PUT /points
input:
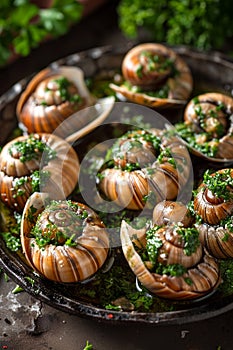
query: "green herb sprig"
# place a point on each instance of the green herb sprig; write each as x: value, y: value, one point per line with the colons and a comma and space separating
x: 23, y: 24
x: 191, y: 23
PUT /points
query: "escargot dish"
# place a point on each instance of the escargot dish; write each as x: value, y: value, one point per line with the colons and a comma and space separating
x: 144, y: 166
x: 207, y: 126
x: 36, y: 162
x: 116, y: 211
x: 213, y: 203
x: 155, y: 76
x: 64, y: 241
x: 169, y: 261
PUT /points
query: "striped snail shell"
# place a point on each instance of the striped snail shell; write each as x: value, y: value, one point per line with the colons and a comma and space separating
x: 166, y: 212
x: 134, y: 148
x: 214, y: 204
x: 210, y: 117
x: 43, y: 157
x: 147, y: 65
x: 213, y: 201
x: 63, y: 241
x: 218, y: 240
x: 151, y: 78
x: 145, y: 162
x: 199, y: 277
x: 53, y: 95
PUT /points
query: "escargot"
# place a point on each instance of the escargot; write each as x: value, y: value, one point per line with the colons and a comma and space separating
x: 144, y: 165
x: 37, y: 162
x: 170, y: 261
x: 64, y: 241
x: 57, y: 100
x: 207, y: 126
x: 155, y: 76
x: 167, y: 212
x: 213, y: 204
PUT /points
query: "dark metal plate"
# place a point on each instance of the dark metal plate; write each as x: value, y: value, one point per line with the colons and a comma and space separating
x: 211, y: 73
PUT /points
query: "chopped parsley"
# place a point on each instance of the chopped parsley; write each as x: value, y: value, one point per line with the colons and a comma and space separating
x: 64, y: 89
x: 153, y: 244
x: 154, y: 62
x: 31, y: 148
x: 161, y: 92
x: 171, y: 269
x: 227, y: 223
x: 38, y: 179
x: 166, y: 154
x: 10, y: 228
x: 220, y: 184
x: 190, y: 235
x: 199, y: 141
x: 217, y: 128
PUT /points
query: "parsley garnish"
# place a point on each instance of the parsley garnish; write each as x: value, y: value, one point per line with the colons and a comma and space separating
x: 220, y: 184
x: 31, y: 148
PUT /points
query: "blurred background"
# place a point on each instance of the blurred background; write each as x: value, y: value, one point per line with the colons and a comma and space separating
x: 201, y: 24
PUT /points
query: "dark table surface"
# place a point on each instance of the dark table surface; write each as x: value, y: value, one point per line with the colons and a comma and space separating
x: 26, y: 323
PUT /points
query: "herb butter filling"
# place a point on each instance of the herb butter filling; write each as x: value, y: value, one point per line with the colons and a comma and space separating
x: 32, y: 149
x: 150, y: 255
x: 61, y: 223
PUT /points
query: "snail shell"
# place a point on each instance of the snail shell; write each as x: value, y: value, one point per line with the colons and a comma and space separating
x: 211, y: 207
x: 51, y: 97
x: 154, y: 173
x: 210, y: 117
x: 218, y: 240
x: 61, y: 222
x: 201, y: 277
x: 56, y: 158
x: 149, y: 67
x: 126, y: 189
x: 167, y: 212
x: 214, y: 209
x: 134, y: 148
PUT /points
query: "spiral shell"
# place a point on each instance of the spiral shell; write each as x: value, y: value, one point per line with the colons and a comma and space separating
x: 212, y: 207
x: 200, y: 277
x: 44, y: 155
x: 218, y: 240
x: 63, y: 241
x: 153, y: 70
x: 167, y: 212
x: 209, y: 116
x: 215, y: 210
x: 51, y: 97
x: 152, y: 164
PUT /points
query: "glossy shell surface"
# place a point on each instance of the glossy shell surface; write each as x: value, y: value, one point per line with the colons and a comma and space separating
x: 209, y: 115
x: 142, y: 70
x: 62, y: 221
x: 169, y: 212
x: 51, y: 97
x: 162, y: 172
x: 216, y: 214
x: 16, y: 174
x: 202, y: 269
x: 209, y: 205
